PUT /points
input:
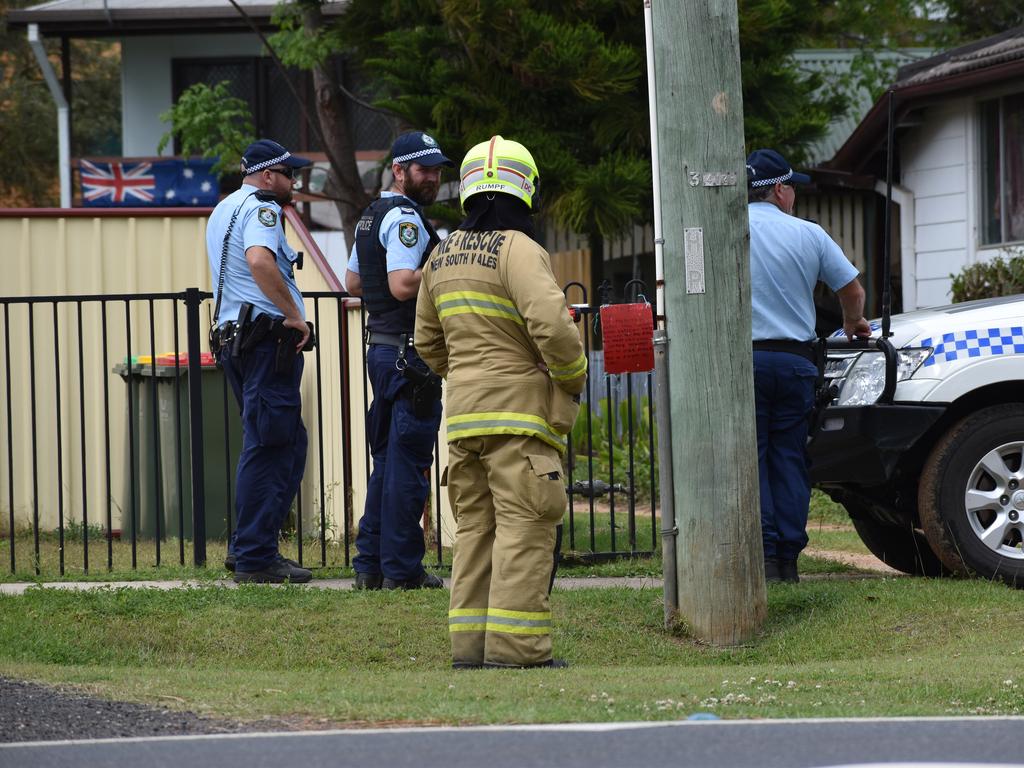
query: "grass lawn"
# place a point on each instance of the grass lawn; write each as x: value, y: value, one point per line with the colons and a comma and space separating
x: 828, y: 528
x: 860, y: 647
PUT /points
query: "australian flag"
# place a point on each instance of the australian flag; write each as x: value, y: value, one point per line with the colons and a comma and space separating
x: 159, y: 183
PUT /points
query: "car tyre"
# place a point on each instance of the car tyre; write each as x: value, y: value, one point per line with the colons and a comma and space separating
x: 901, y: 547
x: 971, y: 495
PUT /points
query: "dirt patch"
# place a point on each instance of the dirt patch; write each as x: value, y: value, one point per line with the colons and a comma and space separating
x: 863, y: 562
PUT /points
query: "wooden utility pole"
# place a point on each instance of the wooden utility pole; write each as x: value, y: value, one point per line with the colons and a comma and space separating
x: 719, y: 563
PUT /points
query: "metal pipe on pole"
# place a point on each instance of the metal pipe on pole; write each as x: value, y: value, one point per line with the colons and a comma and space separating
x: 699, y: 125
x: 63, y: 115
x: 663, y: 400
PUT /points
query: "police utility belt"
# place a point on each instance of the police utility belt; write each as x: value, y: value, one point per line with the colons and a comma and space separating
x: 806, y: 349
x: 423, y: 387
x: 244, y: 334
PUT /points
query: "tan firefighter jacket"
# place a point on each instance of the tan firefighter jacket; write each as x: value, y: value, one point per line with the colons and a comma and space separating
x: 488, y: 312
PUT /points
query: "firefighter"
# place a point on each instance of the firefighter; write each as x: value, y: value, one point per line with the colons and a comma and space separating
x: 491, y: 319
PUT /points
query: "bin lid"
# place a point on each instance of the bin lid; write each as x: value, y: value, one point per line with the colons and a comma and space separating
x: 206, y: 359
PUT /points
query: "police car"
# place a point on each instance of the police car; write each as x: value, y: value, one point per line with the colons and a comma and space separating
x: 923, y: 439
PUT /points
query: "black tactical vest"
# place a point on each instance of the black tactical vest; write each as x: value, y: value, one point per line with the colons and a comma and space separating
x: 386, y: 313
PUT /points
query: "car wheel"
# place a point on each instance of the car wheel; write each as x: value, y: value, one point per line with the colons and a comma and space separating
x: 901, y: 547
x: 971, y: 495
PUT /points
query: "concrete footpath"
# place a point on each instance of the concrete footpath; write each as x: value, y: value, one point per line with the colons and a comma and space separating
x: 19, y: 587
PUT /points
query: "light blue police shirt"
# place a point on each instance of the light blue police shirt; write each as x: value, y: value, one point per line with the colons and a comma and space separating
x: 404, y: 244
x: 258, y: 223
x: 788, y: 256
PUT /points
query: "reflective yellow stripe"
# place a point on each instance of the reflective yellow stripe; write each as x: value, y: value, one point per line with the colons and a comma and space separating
x: 527, y: 615
x: 499, y: 620
x: 519, y: 622
x: 467, y: 612
x: 467, y: 619
x: 576, y: 368
x: 513, y: 630
x: 503, y: 423
x: 473, y: 302
x: 467, y: 627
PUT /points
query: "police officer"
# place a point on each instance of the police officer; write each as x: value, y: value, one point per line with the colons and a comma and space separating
x: 788, y: 256
x: 259, y: 331
x: 392, y: 240
x: 491, y: 319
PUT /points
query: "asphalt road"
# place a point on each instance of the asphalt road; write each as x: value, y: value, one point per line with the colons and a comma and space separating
x: 705, y: 744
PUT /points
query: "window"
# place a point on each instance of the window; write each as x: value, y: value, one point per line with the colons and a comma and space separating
x: 275, y: 114
x: 1002, y: 155
x: 257, y: 81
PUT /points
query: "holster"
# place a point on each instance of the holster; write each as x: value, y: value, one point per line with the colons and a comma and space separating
x: 424, y: 389
x: 287, y: 339
x: 252, y: 333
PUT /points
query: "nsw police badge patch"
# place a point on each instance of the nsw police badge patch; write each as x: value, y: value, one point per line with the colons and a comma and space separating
x: 267, y: 217
x: 408, y: 233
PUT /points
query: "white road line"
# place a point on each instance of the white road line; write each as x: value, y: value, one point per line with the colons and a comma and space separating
x: 542, y: 727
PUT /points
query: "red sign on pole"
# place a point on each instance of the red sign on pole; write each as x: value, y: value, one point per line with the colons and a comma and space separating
x: 628, y: 333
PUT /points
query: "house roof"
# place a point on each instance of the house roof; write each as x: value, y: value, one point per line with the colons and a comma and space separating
x: 102, y: 18
x: 835, y: 64
x: 980, y: 64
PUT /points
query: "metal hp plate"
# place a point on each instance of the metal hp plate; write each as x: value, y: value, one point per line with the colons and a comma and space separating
x: 693, y: 250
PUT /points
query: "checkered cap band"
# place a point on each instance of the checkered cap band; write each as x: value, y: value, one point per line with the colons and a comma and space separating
x: 776, y: 180
x: 268, y: 163
x: 414, y: 155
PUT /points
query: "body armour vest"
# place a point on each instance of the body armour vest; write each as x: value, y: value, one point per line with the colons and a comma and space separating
x: 386, y: 313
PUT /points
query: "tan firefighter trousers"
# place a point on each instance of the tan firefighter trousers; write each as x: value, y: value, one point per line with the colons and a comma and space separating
x: 508, y: 494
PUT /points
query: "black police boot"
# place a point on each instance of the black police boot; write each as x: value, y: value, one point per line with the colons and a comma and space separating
x: 549, y: 664
x: 466, y: 665
x: 288, y: 561
x: 423, y: 581
x: 788, y: 572
x: 772, y: 573
x: 368, y: 581
x: 231, y: 561
x: 277, y: 572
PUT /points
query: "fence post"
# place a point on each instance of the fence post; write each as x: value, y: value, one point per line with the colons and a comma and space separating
x: 195, y: 417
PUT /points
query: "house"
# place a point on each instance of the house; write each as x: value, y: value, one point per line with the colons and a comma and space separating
x: 958, y: 163
x: 169, y: 45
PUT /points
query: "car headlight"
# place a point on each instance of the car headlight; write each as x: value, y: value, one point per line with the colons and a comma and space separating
x: 865, y: 379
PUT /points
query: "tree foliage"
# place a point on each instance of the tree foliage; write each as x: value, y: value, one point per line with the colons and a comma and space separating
x: 28, y: 117
x: 970, y: 20
x: 212, y: 123
x: 567, y: 78
x: 308, y: 41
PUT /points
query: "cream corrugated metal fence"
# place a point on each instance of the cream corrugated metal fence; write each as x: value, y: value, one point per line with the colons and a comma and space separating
x: 66, y: 423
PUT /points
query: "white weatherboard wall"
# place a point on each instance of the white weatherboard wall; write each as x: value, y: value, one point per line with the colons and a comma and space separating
x: 146, y: 80
x: 935, y: 160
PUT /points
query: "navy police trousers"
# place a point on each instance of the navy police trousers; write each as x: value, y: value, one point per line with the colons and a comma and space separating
x: 783, y: 398
x: 273, y: 456
x: 390, y: 540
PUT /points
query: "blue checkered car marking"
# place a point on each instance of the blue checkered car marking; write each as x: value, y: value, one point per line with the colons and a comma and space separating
x: 875, y: 326
x: 985, y: 342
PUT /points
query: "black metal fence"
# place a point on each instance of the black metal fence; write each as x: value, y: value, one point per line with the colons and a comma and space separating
x: 120, y: 448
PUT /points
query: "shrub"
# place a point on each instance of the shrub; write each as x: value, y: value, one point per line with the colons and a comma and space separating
x: 998, y: 277
x: 600, y: 430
